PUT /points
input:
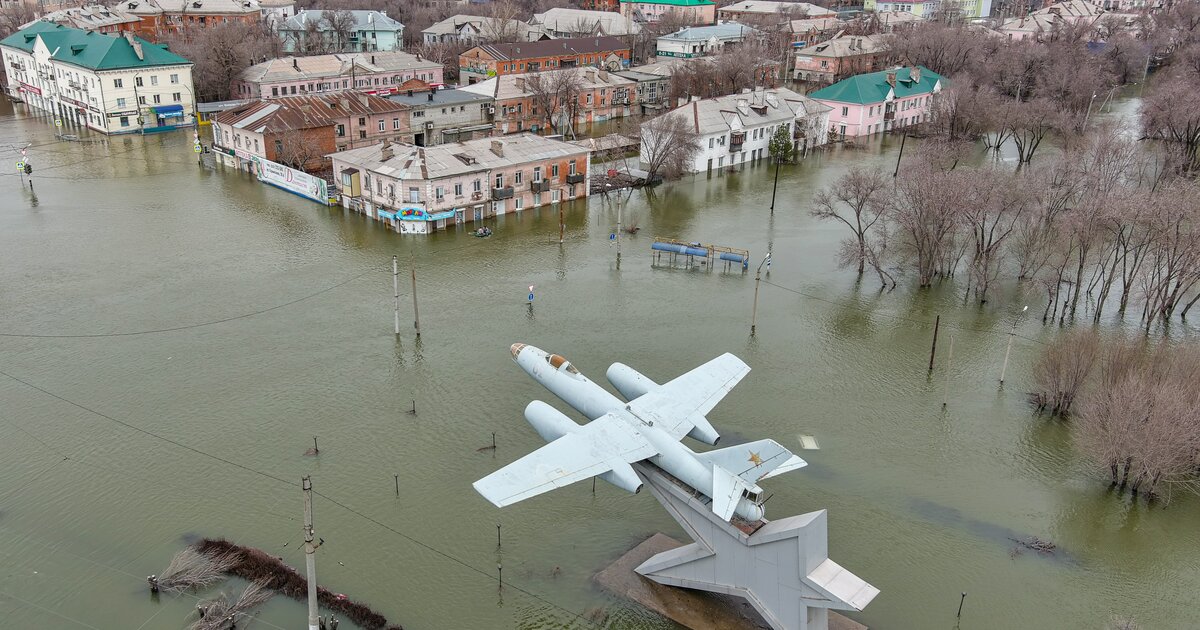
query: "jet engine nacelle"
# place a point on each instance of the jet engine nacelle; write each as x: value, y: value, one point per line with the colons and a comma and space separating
x: 549, y: 422
x: 633, y: 384
x: 623, y: 477
x: 629, y: 381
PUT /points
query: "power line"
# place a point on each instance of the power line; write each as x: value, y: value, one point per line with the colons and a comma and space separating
x: 898, y: 317
x: 284, y: 481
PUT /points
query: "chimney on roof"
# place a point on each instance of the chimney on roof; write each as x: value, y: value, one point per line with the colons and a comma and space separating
x: 364, y: 100
x: 431, y: 96
x: 385, y: 151
x: 372, y: 60
x: 914, y: 73
x: 520, y: 83
x: 891, y: 78
x: 743, y: 106
x: 603, y: 74
x: 498, y: 148
x: 591, y: 75
x: 295, y: 64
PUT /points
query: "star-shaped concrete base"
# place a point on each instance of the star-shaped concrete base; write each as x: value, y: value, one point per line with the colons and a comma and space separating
x: 781, y: 567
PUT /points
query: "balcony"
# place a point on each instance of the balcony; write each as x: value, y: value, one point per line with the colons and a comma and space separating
x: 502, y: 193
x: 539, y: 187
x: 889, y: 115
x: 576, y: 178
x: 476, y: 196
x: 799, y: 133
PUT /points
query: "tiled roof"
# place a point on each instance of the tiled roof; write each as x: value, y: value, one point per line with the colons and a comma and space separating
x: 552, y: 47
x: 335, y: 65
x: 459, y: 158
x: 873, y: 87
x: 89, y: 49
x: 304, y: 112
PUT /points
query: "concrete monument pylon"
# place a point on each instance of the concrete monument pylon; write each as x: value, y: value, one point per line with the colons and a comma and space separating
x: 782, y: 568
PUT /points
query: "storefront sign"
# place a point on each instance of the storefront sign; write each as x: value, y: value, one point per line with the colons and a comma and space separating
x: 292, y: 180
x: 128, y: 112
x: 25, y: 87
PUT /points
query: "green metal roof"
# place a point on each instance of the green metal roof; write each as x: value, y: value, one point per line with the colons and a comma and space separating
x: 89, y: 49
x: 864, y: 89
x: 675, y: 3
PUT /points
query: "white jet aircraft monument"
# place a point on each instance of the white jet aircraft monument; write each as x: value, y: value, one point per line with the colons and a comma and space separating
x: 782, y: 568
x: 647, y: 428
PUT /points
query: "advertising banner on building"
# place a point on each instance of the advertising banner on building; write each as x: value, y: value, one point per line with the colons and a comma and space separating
x: 291, y: 180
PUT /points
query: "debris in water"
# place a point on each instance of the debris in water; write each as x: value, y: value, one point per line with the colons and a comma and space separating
x: 222, y: 613
x: 191, y: 569
x: 1036, y: 544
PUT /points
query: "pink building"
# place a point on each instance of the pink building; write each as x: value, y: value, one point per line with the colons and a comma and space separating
x: 696, y: 12
x: 880, y: 101
x: 380, y: 73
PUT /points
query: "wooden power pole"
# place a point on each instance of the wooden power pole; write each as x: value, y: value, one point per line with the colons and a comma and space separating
x: 310, y: 550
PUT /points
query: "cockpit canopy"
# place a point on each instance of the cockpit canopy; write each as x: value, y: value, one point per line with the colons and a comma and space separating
x: 558, y: 362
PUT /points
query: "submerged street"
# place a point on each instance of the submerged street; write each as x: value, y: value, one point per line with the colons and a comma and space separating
x: 172, y: 338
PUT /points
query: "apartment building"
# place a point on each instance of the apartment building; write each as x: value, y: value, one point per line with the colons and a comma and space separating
x: 489, y: 60
x: 878, y: 102
x: 556, y: 100
x: 379, y: 73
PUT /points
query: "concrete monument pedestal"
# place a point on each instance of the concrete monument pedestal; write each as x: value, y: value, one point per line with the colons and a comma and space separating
x: 781, y: 568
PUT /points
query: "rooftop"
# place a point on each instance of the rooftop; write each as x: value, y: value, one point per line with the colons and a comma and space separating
x: 674, y: 3
x: 335, y: 65
x: 726, y: 30
x: 205, y: 7
x: 303, y: 112
x: 509, y: 86
x: 440, y: 97
x: 873, y: 87
x: 90, y: 16
x: 846, y: 46
x: 565, y: 20
x: 553, y: 47
x: 92, y: 50
x: 748, y: 109
x: 459, y: 158
x: 819, y: 24
x: 767, y: 7
x: 487, y: 27
x: 363, y: 21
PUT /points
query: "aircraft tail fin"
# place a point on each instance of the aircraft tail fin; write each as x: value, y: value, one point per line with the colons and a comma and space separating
x: 727, y: 491
x: 754, y: 460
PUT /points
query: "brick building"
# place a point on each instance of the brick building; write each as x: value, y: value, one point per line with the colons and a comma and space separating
x: 379, y: 73
x: 424, y: 189
x: 300, y: 130
x: 840, y: 57
x: 159, y: 17
x: 542, y: 101
x: 489, y: 60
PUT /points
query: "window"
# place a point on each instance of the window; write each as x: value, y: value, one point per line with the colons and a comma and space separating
x: 711, y: 141
x: 440, y: 193
x: 154, y: 80
x: 571, y: 168
x: 537, y: 173
x: 391, y: 191
x: 157, y: 99
x: 120, y: 102
x: 518, y: 201
x: 256, y: 145
x: 174, y: 78
x: 478, y: 186
x: 293, y: 89
x: 341, y: 131
x: 274, y: 91
x: 395, y: 123
x: 362, y: 134
x: 177, y: 96
x: 419, y: 114
x: 517, y: 177
x: 554, y: 171
x: 414, y: 195
x: 845, y: 111
x: 141, y: 100
x: 124, y: 119
x: 118, y: 83
x: 137, y: 81
x: 458, y: 189
x: 362, y: 121
x: 499, y: 180
x: 278, y: 147
x: 367, y: 181
x: 379, y: 185
x: 381, y: 125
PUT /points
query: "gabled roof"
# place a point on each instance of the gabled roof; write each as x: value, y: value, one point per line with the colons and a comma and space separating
x: 304, y: 112
x: 335, y: 65
x: 458, y: 158
x: 90, y: 16
x: 847, y: 46
x: 196, y: 7
x: 674, y: 3
x: 765, y: 7
x: 487, y: 27
x: 92, y: 50
x: 726, y: 30
x: 363, y: 21
x: 552, y: 47
x: 566, y: 20
x: 748, y: 109
x: 873, y: 87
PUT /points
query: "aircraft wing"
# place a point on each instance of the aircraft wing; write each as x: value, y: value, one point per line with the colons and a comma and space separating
x: 596, y: 448
x: 682, y: 403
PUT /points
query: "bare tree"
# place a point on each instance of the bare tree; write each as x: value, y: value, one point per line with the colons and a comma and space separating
x: 220, y: 53
x: 294, y: 149
x: 14, y: 15
x: 669, y: 145
x: 924, y: 208
x: 1062, y: 371
x: 859, y: 200
x: 555, y: 96
x: 1168, y: 115
x: 339, y: 23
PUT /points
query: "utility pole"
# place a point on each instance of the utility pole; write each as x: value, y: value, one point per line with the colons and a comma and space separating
x: 902, y: 139
x: 1012, y: 333
x: 562, y: 226
x: 416, y: 314
x: 1089, y: 112
x: 310, y: 550
x: 620, y: 204
x: 775, y: 186
x: 396, y: 290
x: 754, y: 309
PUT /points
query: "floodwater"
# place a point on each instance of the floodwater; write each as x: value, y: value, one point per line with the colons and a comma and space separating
x: 275, y: 325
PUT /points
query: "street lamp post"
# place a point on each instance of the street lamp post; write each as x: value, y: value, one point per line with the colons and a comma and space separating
x: 757, y: 277
x: 1012, y: 333
x: 1089, y: 112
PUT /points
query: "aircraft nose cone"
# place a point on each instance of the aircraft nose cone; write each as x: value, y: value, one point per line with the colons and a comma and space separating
x: 516, y: 348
